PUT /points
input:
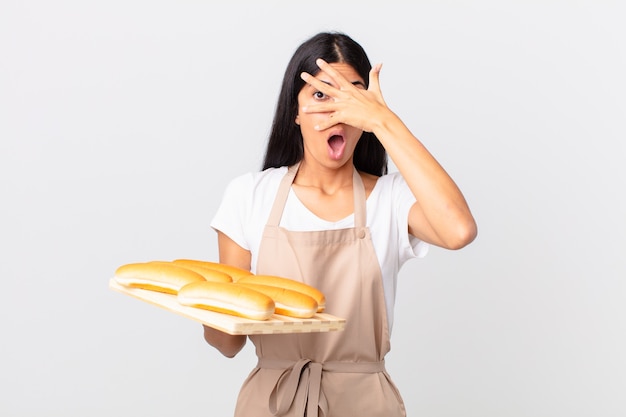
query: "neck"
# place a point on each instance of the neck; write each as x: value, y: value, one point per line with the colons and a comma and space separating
x: 322, y: 177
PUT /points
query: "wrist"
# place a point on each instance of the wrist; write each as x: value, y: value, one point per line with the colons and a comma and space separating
x: 388, y: 125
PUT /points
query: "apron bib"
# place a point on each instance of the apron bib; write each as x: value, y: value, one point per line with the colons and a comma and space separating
x: 326, y: 374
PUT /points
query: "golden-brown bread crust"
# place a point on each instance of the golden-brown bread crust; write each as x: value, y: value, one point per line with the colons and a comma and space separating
x: 156, y: 276
x: 233, y: 271
x: 288, y: 302
x: 227, y: 298
x: 212, y: 275
x: 290, y: 284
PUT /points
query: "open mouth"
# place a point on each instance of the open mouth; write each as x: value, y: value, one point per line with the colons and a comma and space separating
x: 336, y: 146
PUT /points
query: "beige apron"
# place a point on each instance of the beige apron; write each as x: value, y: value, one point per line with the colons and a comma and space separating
x: 329, y: 374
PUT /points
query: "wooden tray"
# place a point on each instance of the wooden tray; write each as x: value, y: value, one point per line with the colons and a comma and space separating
x: 277, y: 324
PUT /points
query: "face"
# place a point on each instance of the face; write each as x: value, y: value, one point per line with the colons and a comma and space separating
x: 334, y: 146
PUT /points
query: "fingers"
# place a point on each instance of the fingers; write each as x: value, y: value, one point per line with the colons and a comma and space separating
x: 340, y: 81
x: 334, y: 75
x: 374, y: 81
x: 318, y: 84
x: 349, y: 104
x: 336, y: 79
x: 326, y: 124
x: 319, y: 108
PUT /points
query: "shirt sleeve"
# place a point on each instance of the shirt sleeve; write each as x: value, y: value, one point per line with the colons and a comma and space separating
x: 232, y: 215
x: 409, y: 246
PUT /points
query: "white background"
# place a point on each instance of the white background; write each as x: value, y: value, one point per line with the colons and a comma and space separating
x: 121, y: 122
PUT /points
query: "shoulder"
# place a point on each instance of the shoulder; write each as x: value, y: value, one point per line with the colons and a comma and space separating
x: 256, y: 181
x: 246, y: 197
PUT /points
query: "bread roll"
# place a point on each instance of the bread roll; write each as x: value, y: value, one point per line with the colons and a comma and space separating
x: 227, y: 298
x: 156, y: 276
x: 211, y: 275
x: 288, y: 302
x: 289, y: 284
x: 233, y: 271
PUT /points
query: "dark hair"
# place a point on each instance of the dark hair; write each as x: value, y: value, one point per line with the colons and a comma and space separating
x: 285, y: 146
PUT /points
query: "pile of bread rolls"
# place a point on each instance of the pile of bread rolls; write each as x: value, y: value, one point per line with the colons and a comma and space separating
x: 224, y: 288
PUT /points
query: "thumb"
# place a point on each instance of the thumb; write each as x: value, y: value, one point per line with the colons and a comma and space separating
x: 374, y: 80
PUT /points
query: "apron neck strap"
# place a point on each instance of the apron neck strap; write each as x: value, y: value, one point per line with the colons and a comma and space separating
x: 285, y: 186
x: 359, y: 199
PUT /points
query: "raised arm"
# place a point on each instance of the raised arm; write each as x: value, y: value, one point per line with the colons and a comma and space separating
x: 440, y: 215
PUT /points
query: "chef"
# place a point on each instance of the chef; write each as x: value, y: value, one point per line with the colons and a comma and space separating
x: 325, y: 211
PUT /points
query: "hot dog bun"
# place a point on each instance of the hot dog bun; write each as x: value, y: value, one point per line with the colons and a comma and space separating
x: 289, y: 284
x: 212, y: 275
x: 233, y: 271
x: 227, y: 298
x: 156, y: 276
x: 288, y: 302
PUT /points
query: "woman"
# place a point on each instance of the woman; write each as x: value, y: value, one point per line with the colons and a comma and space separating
x: 325, y: 211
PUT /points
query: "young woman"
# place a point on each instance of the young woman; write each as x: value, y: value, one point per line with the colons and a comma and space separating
x: 324, y: 211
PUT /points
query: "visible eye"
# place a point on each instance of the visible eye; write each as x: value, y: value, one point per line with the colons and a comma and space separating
x: 319, y: 95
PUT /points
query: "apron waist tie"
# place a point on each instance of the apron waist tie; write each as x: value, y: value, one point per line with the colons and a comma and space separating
x: 301, y: 381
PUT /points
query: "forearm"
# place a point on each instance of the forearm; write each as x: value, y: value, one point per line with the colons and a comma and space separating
x: 228, y: 345
x: 442, y: 206
x: 230, y: 254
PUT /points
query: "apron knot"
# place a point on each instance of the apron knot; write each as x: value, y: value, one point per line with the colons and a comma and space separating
x: 299, y: 384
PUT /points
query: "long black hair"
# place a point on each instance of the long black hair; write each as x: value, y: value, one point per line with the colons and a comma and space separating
x: 285, y: 146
